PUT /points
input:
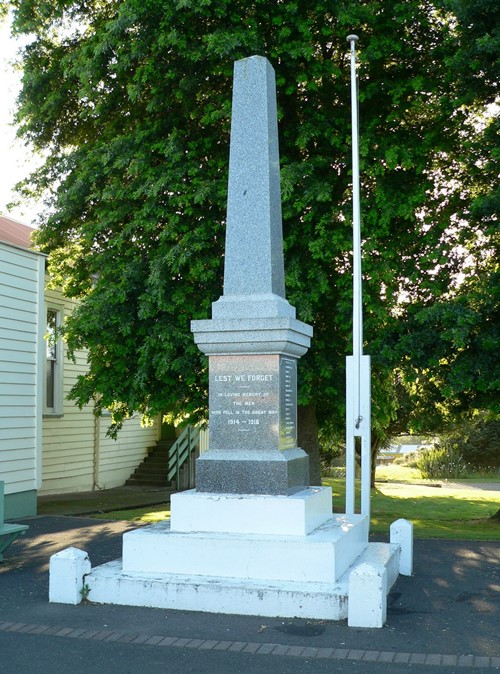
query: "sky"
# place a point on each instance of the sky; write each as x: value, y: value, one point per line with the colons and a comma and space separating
x: 16, y: 160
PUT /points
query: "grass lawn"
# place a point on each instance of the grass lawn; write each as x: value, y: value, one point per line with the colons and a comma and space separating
x: 438, y: 509
x: 147, y: 515
x: 458, y: 509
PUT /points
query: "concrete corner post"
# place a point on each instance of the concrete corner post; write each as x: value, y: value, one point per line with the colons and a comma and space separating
x: 402, y: 535
x: 367, y: 596
x: 67, y: 572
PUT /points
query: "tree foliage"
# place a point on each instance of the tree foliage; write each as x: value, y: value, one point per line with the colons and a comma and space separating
x: 477, y: 442
x: 130, y: 100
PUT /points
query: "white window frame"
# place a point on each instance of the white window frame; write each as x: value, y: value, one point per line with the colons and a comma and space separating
x: 55, y: 410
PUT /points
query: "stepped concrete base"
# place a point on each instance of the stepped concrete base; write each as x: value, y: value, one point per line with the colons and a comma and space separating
x: 110, y: 584
x: 322, y: 556
x: 281, y: 556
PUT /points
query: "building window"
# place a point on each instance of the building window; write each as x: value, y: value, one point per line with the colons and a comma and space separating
x: 53, y: 362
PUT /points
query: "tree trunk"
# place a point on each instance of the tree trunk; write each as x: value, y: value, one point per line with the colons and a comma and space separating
x: 307, y: 432
x: 376, y: 444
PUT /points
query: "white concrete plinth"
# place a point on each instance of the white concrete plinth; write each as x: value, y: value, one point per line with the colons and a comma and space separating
x: 249, y: 555
x: 294, y: 515
x: 110, y: 585
x: 66, y: 575
x: 402, y: 536
x: 323, y: 556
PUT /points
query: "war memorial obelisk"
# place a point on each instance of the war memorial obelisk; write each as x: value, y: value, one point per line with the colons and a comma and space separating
x: 253, y: 340
x: 254, y: 537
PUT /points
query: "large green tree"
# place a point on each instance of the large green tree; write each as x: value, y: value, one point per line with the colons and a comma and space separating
x: 448, y: 343
x: 130, y: 101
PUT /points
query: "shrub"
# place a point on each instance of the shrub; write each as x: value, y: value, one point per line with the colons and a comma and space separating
x: 441, y: 462
x: 410, y: 460
x: 471, y: 446
x: 336, y: 468
x: 481, y: 445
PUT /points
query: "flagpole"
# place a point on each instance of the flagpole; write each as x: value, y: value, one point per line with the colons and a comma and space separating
x: 358, y: 403
x: 357, y: 345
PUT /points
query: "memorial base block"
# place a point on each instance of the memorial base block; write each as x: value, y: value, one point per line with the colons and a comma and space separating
x: 277, y: 556
x: 263, y: 472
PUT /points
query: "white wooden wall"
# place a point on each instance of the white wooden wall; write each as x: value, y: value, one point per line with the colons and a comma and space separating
x: 77, y: 455
x: 68, y: 440
x: 21, y: 330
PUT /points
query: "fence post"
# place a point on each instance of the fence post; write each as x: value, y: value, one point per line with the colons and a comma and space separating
x: 177, y: 468
x: 188, y: 459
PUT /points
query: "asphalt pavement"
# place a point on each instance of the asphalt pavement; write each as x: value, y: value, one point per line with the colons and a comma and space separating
x: 443, y: 619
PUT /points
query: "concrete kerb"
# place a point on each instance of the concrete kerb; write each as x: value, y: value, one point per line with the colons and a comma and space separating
x: 429, y: 660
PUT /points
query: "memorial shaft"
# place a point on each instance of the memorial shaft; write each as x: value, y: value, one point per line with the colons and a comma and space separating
x: 254, y: 228
x: 253, y: 340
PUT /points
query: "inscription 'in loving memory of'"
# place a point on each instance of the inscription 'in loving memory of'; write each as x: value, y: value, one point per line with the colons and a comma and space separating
x: 243, y: 403
x: 263, y: 402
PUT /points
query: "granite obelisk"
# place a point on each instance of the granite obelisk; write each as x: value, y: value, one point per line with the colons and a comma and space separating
x: 253, y: 339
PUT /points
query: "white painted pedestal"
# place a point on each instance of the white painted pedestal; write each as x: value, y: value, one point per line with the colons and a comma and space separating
x: 285, y: 556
